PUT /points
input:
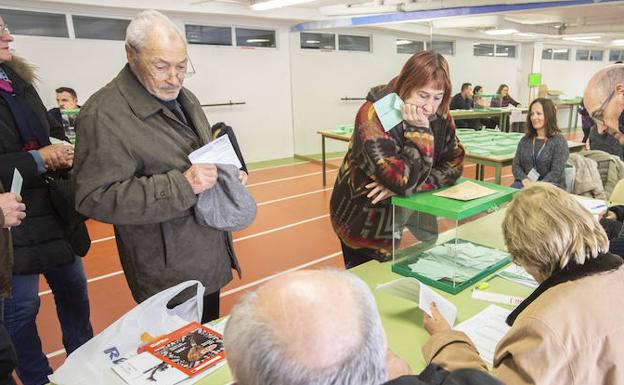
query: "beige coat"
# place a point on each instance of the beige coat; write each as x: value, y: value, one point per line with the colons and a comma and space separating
x: 131, y: 152
x: 572, y: 334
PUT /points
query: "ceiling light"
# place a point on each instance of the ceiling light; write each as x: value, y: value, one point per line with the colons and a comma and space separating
x: 258, y: 40
x: 560, y: 50
x: 501, y: 31
x: 526, y: 34
x: 618, y: 42
x: 270, y: 4
x: 403, y: 42
x: 575, y: 38
x: 313, y: 41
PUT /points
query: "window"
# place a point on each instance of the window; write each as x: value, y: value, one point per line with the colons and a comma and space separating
x: 481, y: 49
x: 616, y: 55
x: 443, y: 47
x: 409, y: 46
x: 503, y: 50
x: 354, y: 43
x: 205, y: 34
x: 317, y: 40
x: 86, y: 27
x: 246, y: 37
x: 587, y: 54
x: 556, y: 54
x: 35, y: 23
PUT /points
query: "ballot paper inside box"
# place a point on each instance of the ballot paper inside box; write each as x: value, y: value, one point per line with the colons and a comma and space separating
x: 434, y: 238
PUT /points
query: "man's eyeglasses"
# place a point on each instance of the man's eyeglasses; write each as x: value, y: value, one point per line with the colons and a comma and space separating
x: 162, y: 71
x: 598, y: 115
x: 4, y: 29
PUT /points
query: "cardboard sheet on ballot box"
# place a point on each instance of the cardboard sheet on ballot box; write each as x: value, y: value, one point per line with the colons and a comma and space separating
x: 466, y: 191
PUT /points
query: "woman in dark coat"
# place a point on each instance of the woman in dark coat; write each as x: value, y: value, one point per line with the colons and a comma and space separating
x: 43, y: 243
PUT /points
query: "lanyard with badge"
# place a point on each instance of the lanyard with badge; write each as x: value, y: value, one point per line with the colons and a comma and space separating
x: 533, y: 175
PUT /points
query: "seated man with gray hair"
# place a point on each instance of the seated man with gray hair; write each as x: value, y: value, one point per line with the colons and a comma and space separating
x: 319, y: 327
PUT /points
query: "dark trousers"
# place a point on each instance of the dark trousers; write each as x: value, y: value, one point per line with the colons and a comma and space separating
x: 8, y: 357
x: 211, y: 307
x: 69, y: 287
x: 355, y: 257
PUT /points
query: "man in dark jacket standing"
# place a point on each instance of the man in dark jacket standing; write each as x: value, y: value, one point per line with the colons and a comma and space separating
x: 132, y: 168
x: 43, y: 243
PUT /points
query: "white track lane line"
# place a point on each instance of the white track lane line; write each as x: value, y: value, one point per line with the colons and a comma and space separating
x: 289, y: 178
x: 250, y: 236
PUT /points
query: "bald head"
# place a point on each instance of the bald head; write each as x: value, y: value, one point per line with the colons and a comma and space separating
x: 307, y: 327
x: 157, y: 54
x: 604, y: 95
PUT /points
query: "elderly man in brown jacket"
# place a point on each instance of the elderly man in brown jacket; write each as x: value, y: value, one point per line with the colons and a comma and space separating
x: 132, y: 168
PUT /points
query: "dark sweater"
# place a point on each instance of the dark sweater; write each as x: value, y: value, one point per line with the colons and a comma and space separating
x: 550, y: 164
x: 605, y: 142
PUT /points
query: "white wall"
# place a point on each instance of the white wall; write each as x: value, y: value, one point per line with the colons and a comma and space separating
x: 320, y: 79
x: 260, y: 77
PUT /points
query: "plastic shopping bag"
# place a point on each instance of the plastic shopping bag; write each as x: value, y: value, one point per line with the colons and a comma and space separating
x: 91, y: 363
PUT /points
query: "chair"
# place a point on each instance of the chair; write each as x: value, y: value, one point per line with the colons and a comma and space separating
x: 617, y: 195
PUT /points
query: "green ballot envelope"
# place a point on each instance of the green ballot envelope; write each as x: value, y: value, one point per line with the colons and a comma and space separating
x: 388, y: 110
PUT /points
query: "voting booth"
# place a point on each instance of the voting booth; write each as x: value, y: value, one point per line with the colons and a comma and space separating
x: 429, y: 234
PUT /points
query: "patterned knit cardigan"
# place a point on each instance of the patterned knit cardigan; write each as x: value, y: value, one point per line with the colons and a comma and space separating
x: 405, y: 160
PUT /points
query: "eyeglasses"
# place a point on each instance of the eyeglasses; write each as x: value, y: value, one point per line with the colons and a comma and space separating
x: 4, y: 29
x: 598, y: 115
x: 162, y: 70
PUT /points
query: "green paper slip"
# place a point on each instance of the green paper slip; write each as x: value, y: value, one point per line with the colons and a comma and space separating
x: 388, y: 111
x: 16, y: 184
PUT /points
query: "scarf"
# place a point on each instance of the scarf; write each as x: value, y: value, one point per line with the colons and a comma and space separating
x: 571, y: 272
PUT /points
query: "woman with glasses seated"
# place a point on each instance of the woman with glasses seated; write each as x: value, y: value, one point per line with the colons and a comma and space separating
x: 543, y: 152
x: 570, y: 329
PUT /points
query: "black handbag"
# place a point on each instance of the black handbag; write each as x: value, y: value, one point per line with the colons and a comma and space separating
x: 62, y: 196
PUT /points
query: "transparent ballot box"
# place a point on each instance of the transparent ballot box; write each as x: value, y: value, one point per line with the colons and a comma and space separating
x: 438, y: 240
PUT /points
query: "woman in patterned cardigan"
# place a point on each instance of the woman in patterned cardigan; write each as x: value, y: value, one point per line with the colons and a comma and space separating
x: 420, y: 153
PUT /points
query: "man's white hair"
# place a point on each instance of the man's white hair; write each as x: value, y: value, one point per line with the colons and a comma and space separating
x: 256, y: 356
x: 136, y: 33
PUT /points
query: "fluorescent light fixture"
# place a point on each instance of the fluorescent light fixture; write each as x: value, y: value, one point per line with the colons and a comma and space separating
x: 501, y: 31
x: 563, y: 50
x: 257, y: 40
x: 270, y: 4
x: 501, y: 54
x: 526, y: 34
x: 468, y: 22
x: 313, y: 41
x: 403, y: 42
x: 618, y: 42
x: 575, y: 38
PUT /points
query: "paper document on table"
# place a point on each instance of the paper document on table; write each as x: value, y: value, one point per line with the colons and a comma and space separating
x: 219, y: 151
x: 407, y: 288
x: 486, y: 329
x: 16, y: 184
x: 446, y: 307
x: 517, y: 274
x: 594, y: 206
x: 466, y: 191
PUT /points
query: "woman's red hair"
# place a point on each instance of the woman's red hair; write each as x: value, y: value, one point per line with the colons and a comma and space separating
x: 420, y: 70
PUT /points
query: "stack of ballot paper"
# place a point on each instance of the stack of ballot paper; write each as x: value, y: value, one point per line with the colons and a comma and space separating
x: 517, y: 274
x: 466, y: 191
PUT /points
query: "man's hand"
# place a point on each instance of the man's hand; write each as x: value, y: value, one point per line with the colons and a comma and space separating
x: 57, y: 156
x: 12, y: 208
x: 378, y: 192
x: 201, y: 176
x: 435, y: 324
x: 242, y: 176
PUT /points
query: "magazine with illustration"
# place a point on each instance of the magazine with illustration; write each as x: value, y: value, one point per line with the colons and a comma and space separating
x: 174, y: 357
